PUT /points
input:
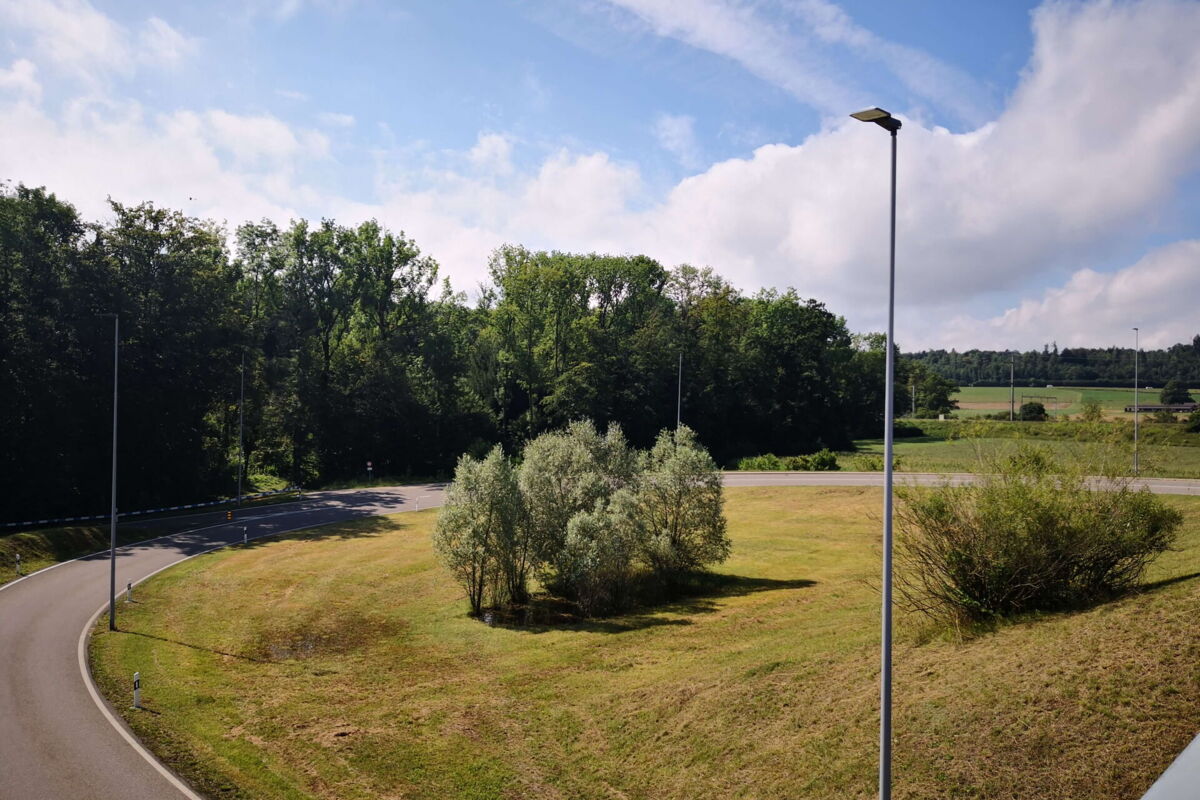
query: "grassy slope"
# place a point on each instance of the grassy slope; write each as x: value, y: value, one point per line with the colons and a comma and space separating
x: 1111, y: 400
x: 341, y: 664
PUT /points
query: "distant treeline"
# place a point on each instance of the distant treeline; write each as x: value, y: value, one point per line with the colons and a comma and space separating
x: 1074, y: 366
x: 354, y: 352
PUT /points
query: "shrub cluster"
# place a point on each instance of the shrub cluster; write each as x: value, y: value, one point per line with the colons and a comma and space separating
x: 592, y: 518
x: 1027, y: 537
x: 820, y: 461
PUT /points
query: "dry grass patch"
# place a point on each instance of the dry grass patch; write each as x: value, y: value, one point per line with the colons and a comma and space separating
x: 764, y: 687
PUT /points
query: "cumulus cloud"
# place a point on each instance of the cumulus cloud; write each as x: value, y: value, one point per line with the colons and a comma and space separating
x: 21, y: 80
x: 1157, y: 294
x: 162, y: 44
x: 1092, y: 144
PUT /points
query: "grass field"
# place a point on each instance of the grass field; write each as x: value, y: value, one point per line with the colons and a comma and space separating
x: 979, y: 400
x: 929, y: 454
x: 340, y: 663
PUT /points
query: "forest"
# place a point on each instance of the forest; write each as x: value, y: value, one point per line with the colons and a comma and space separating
x: 355, y: 350
x: 1074, y: 366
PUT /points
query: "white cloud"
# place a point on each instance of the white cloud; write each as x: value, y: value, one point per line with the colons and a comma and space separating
x: 1092, y: 145
x: 335, y: 120
x: 1157, y: 294
x: 800, y: 61
x: 676, y: 134
x: 162, y: 44
x: 82, y: 41
x: 21, y: 79
x: 492, y: 153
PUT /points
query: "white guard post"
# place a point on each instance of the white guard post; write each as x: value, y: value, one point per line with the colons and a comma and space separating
x: 137, y: 690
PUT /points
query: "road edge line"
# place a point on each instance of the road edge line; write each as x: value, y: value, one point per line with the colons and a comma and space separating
x: 85, y: 668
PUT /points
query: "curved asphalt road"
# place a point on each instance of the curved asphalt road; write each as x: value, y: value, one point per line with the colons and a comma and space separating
x: 58, y: 741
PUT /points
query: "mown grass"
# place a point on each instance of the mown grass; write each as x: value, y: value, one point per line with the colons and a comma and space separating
x: 341, y: 663
x: 930, y: 454
x: 1112, y: 400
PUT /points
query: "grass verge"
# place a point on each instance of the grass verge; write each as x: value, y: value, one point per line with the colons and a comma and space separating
x: 340, y: 663
x: 45, y: 547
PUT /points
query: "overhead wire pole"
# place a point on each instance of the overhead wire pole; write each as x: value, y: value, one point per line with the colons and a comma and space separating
x: 112, y: 527
x: 892, y: 125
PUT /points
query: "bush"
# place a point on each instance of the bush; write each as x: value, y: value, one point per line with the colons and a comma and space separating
x: 590, y: 515
x: 1092, y: 412
x: 1027, y: 537
x: 872, y: 463
x: 1193, y: 422
x: 479, y: 534
x: 1032, y: 412
x: 906, y: 430
x: 821, y: 461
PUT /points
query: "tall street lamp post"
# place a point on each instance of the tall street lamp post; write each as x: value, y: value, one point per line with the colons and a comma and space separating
x: 1135, y: 401
x: 892, y: 126
x: 112, y: 525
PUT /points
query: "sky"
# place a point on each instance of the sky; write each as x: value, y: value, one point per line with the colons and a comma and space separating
x: 1048, y: 182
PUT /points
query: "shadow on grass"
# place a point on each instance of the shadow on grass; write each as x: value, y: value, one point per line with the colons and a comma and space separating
x: 698, y: 593
x: 1165, y: 582
x: 192, y: 646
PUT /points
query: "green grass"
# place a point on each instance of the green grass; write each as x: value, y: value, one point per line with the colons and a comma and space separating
x: 341, y: 663
x: 995, y: 399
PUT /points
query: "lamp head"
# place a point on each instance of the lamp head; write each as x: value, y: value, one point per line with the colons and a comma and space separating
x: 880, y: 117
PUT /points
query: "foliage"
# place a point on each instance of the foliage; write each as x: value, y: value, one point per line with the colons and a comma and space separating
x: 590, y: 514
x: 1193, y: 422
x: 1032, y: 412
x: 480, y: 535
x: 677, y: 507
x: 1164, y: 416
x: 867, y: 462
x: 1174, y: 393
x: 354, y: 352
x: 1027, y: 537
x: 823, y: 460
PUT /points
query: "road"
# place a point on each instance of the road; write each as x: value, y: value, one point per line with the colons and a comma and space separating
x: 58, y: 739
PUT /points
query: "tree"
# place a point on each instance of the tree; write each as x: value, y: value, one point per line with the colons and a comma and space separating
x: 1032, y: 411
x: 479, y: 534
x: 1174, y: 393
x: 677, y: 507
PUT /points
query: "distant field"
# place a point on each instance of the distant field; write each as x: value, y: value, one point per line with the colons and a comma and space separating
x: 341, y: 664
x: 978, y: 400
x: 963, y: 455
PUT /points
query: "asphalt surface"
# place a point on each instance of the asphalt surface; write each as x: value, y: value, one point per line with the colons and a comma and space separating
x: 60, y: 741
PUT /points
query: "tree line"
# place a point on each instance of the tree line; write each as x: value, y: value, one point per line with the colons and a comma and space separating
x: 353, y: 350
x: 1077, y: 366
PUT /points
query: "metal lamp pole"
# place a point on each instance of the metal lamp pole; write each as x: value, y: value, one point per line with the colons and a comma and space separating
x: 112, y: 528
x: 241, y: 427
x: 1135, y: 401
x: 679, y: 394
x: 892, y: 125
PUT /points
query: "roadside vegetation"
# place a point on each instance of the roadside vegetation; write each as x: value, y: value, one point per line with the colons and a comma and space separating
x: 599, y: 524
x: 1029, y: 536
x: 339, y: 663
x: 44, y: 547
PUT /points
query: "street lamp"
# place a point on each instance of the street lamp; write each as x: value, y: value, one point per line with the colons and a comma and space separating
x: 1135, y: 401
x: 112, y: 525
x: 889, y: 123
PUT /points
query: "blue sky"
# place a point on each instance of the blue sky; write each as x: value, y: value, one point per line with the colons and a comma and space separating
x: 1048, y: 183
